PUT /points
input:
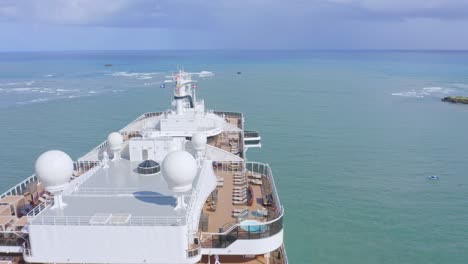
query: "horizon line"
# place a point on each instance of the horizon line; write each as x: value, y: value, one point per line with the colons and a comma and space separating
x: 240, y: 49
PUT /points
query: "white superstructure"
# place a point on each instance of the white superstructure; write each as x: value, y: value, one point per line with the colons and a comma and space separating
x: 170, y: 187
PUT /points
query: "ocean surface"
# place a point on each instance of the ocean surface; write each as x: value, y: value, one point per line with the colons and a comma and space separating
x: 351, y: 136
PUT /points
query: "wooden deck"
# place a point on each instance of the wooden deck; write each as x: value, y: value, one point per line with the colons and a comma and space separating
x: 222, y: 217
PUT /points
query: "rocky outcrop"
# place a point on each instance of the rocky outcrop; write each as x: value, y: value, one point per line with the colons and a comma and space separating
x: 456, y: 99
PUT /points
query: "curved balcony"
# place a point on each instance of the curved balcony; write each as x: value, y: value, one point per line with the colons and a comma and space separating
x: 243, y: 232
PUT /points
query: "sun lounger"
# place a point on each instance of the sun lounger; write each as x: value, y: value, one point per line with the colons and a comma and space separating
x: 239, y: 180
x: 240, y: 202
x: 256, y: 176
x: 256, y: 182
x: 238, y: 210
x: 243, y: 213
x: 239, y: 198
x: 239, y: 195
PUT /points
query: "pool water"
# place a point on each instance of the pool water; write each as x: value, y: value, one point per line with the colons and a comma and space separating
x: 253, y: 226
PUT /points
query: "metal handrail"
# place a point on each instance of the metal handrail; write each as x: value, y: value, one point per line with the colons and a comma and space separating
x: 86, y: 221
x: 19, y: 188
x: 239, y: 225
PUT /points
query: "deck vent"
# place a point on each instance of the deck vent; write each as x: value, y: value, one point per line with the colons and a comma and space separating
x: 148, y: 167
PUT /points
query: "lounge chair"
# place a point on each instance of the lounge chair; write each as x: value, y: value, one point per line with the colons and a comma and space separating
x: 240, y: 202
x: 244, y: 212
x: 238, y: 210
x: 256, y: 182
x: 239, y: 198
x: 256, y: 176
x: 239, y: 195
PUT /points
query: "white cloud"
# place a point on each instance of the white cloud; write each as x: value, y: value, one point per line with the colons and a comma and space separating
x: 219, y: 13
x: 77, y: 12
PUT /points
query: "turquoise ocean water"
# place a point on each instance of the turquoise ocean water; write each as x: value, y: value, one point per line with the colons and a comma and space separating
x: 351, y: 136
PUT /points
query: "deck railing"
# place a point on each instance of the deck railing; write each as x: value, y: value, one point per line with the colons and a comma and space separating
x: 87, y: 221
x: 265, y: 169
x: 19, y: 188
x: 243, y: 232
x: 251, y: 134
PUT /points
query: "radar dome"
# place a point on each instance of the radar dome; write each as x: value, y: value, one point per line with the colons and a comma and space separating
x: 199, y: 141
x: 179, y: 169
x: 54, y: 169
x: 115, y: 140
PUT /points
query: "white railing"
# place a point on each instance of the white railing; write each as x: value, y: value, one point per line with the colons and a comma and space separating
x: 87, y: 220
x: 284, y: 255
x: 76, y: 182
x: 279, y: 217
x: 19, y: 188
x: 39, y: 208
x: 104, y: 191
x: 265, y: 169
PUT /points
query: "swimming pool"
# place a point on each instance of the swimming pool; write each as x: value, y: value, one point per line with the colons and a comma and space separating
x: 253, y: 226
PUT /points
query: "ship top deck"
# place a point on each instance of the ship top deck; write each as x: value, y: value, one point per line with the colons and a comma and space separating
x: 120, y: 190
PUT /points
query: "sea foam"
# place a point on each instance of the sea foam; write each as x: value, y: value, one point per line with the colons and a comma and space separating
x: 425, y: 92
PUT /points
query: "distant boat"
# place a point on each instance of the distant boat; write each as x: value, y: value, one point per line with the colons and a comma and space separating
x: 108, y: 65
x: 239, y: 72
x: 433, y: 177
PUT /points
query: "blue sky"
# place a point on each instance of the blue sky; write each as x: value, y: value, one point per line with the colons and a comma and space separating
x: 233, y: 24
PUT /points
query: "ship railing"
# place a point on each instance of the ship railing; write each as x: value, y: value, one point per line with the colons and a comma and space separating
x: 105, y: 191
x: 82, y: 166
x: 231, y: 114
x: 141, y: 117
x: 251, y: 134
x: 284, y: 255
x: 228, y: 166
x: 77, y: 181
x: 39, y: 208
x: 264, y: 169
x: 88, y: 221
x: 243, y: 232
x: 194, y: 248
x: 20, y: 188
x: 11, y: 239
x: 26, y: 249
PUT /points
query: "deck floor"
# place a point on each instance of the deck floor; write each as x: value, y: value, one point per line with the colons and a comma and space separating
x: 222, y: 217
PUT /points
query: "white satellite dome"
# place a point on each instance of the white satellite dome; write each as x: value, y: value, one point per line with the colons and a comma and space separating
x: 115, y: 141
x: 54, y: 169
x: 179, y: 169
x: 199, y: 141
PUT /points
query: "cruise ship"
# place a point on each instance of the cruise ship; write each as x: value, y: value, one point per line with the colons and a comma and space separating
x: 170, y: 187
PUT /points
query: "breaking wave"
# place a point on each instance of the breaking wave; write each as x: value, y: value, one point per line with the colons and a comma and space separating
x: 425, y: 92
x: 136, y: 75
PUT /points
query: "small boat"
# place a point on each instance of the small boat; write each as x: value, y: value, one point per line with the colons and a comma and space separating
x: 108, y: 65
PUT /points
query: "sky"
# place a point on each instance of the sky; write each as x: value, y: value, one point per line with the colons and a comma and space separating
x: 232, y: 24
